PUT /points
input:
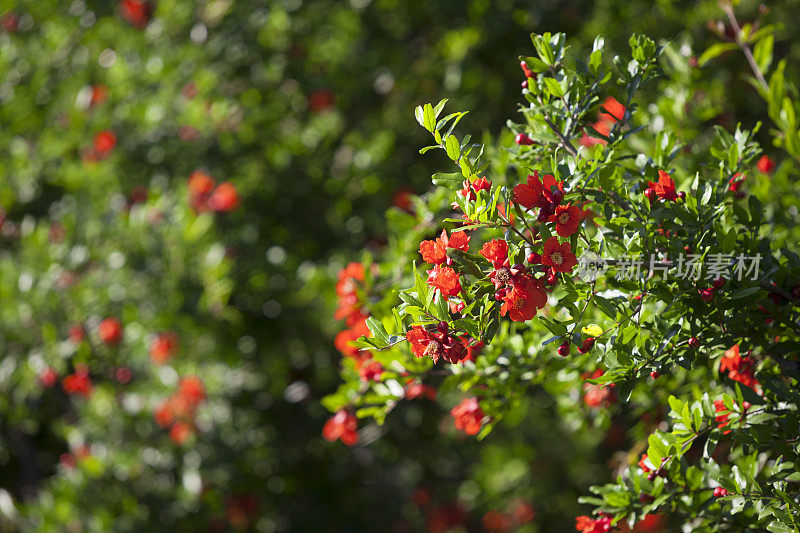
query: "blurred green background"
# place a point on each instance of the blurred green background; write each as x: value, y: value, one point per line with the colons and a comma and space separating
x: 306, y: 108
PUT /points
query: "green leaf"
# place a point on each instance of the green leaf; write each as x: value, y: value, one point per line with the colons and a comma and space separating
x: 715, y: 50
x: 452, y: 147
x: 452, y: 181
x: 743, y: 293
x: 419, y: 114
x: 657, y: 449
x: 429, y: 119
x: 465, y: 261
x: 376, y: 328
x: 438, y: 109
x: 554, y: 87
x: 628, y: 334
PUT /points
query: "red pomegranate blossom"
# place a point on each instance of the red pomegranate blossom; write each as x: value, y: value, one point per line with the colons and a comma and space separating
x: 436, y: 345
x: 435, y: 251
x: 48, y: 377
x: 524, y: 297
x: 79, y: 382
x: 162, y: 347
x: 765, y: 165
x: 136, y: 12
x: 596, y: 396
x: 104, y: 142
x: 558, y: 256
x: 468, y: 416
x: 110, y: 331
x: 567, y: 219
x: 496, y: 252
x: 343, y: 426
x: 741, y: 369
x: 320, y: 100
x: 224, y: 198
x: 587, y: 524
x: 528, y: 194
x: 446, y: 280
x: 665, y: 187
x: 415, y: 389
x: 370, y: 370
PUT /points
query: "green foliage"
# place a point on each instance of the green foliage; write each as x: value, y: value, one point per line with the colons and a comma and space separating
x: 663, y: 338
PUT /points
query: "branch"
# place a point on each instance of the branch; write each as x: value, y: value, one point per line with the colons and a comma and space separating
x: 743, y: 45
x: 564, y: 141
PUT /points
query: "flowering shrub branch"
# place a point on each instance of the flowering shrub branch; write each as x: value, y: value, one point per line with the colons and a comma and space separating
x: 691, y: 304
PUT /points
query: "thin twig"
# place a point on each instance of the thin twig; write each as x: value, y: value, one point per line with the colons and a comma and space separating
x: 564, y: 141
x: 743, y: 45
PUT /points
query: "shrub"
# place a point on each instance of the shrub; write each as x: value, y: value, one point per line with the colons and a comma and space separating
x: 597, y: 256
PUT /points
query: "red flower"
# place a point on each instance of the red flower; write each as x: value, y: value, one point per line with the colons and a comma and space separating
x: 104, y: 142
x: 164, y: 415
x: 320, y: 100
x: 99, y: 95
x: 601, y: 126
x: 78, y: 383
x: 370, y: 370
x: 445, y: 279
x: 200, y: 183
x: 558, y: 256
x: 447, y: 518
x: 200, y: 186
x: 76, y: 333
x: 523, y: 299
x: 471, y: 188
x: 497, y: 522
x: 765, y: 165
x: 599, y: 395
x: 741, y: 369
x: 162, y: 347
x: 9, y: 22
x: 342, y: 425
x: 419, y: 390
x: 48, y: 377
x: 552, y: 190
x: 523, y: 512
x: 567, y: 219
x: 136, y: 12
x: 482, y: 184
x: 224, y: 198
x: 496, y: 252
x: 665, y: 188
x: 192, y: 390
x: 736, y: 182
x: 401, y: 199
x: 468, y: 416
x: 645, y: 464
x: 350, y: 309
x: 651, y: 522
x: 437, y: 344
x: 343, y: 339
x: 528, y: 194
x: 123, y: 374
x: 615, y: 111
x: 180, y: 432
x: 722, y: 415
x: 473, y: 348
x: 110, y: 331
x: 435, y: 251
x: 348, y: 278
x: 586, y: 524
